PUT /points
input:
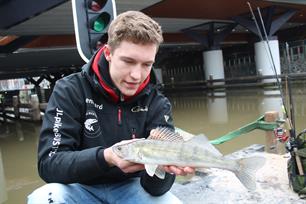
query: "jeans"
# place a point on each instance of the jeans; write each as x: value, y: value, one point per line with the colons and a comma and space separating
x: 127, y: 192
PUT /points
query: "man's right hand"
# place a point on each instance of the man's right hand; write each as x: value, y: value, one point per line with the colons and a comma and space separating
x: 113, y: 160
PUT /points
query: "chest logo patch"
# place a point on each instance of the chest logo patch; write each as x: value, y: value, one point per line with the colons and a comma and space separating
x: 140, y: 109
x: 88, y: 124
x: 92, y: 127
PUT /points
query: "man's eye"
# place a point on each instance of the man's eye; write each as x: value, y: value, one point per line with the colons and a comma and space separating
x: 128, y: 62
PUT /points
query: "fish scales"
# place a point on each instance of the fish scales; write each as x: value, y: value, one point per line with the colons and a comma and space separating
x: 178, y: 153
x: 196, y: 152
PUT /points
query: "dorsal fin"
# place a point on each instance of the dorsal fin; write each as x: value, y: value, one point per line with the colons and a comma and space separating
x: 164, y: 133
x: 203, y: 141
x: 185, y: 135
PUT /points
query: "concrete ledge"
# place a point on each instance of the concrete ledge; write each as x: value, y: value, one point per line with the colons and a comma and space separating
x: 221, y: 186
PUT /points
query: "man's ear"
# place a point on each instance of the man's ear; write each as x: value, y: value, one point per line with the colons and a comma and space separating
x: 107, y: 53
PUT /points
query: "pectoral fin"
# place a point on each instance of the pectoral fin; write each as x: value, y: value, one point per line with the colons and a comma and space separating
x: 151, y: 168
x: 160, y: 173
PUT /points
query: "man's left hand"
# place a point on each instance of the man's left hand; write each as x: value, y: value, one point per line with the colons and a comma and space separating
x: 180, y: 171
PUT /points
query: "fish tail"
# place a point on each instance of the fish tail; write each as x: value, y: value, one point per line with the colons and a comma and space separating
x: 247, y: 170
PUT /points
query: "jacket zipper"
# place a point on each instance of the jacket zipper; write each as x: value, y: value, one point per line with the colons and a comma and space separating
x: 133, y: 133
x: 119, y: 115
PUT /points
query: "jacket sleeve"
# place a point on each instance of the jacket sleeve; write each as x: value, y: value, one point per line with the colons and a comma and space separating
x: 161, y: 115
x: 59, y: 157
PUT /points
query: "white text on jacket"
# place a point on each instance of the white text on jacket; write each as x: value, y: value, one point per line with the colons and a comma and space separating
x: 56, y: 131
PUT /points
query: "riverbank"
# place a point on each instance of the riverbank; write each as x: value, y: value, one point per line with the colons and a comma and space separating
x: 220, y: 186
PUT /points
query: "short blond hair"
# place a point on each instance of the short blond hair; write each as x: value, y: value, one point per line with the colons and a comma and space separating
x: 136, y: 27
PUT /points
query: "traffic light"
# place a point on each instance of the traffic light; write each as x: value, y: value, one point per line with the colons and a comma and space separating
x: 91, y: 19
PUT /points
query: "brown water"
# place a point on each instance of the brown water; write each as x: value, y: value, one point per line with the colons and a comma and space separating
x: 193, y: 112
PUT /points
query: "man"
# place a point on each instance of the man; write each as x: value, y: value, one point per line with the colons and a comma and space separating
x: 111, y: 100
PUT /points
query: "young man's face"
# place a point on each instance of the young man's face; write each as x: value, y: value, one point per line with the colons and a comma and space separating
x: 130, y: 64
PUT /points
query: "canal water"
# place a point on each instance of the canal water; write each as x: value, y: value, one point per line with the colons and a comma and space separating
x: 213, y: 114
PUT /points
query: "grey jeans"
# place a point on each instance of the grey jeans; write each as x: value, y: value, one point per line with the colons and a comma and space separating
x: 127, y: 192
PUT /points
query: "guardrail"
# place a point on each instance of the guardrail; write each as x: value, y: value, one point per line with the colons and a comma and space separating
x: 15, y: 110
x: 237, y: 82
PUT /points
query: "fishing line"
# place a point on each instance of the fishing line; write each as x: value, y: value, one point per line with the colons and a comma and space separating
x: 270, y: 57
x: 292, y: 123
x: 291, y: 109
x: 293, y: 141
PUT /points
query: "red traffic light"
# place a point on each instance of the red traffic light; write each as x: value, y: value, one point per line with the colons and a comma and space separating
x: 96, y: 5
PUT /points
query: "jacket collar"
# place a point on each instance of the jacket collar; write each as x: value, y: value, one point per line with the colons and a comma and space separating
x: 100, y: 68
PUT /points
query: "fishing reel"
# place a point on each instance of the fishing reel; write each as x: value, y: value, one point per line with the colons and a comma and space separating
x: 296, y: 142
x: 281, y: 134
x: 290, y: 145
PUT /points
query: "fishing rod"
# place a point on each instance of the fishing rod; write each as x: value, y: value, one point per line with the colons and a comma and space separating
x: 292, y: 123
x: 293, y: 143
x: 271, y: 60
x: 288, y: 83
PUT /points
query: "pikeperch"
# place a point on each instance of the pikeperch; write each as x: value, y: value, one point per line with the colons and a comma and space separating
x: 166, y: 147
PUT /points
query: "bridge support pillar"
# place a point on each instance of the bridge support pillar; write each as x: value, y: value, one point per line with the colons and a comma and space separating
x: 263, y: 59
x: 213, y: 65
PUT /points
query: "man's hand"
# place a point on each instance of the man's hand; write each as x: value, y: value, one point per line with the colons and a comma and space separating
x: 113, y: 160
x: 129, y: 167
x: 180, y: 171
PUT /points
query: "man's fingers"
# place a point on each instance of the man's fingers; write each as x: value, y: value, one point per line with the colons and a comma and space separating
x: 189, y: 170
x: 133, y: 168
x: 174, y: 170
x: 182, y: 171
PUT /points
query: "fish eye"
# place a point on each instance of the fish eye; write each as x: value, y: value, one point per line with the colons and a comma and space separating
x: 119, y: 148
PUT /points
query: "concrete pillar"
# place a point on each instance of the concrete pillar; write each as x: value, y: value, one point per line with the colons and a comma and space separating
x: 213, y: 65
x: 35, y: 109
x: 263, y: 59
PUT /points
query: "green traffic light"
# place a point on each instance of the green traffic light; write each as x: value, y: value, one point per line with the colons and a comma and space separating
x: 101, y: 22
x: 99, y: 25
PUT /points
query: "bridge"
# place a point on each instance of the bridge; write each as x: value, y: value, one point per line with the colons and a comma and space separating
x: 37, y: 37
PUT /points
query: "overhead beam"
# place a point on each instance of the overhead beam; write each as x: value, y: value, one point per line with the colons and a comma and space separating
x: 211, y: 37
x: 41, y: 58
x: 268, y: 23
x: 14, y: 12
x: 16, y: 44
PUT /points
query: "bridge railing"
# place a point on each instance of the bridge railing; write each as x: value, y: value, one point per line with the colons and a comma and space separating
x: 14, y: 109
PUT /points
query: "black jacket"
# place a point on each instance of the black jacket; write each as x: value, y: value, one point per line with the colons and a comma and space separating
x: 82, y: 119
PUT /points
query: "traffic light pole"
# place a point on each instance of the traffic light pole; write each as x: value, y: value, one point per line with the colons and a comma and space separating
x: 91, y: 19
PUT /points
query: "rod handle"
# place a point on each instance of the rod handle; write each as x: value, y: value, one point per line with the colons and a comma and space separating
x: 298, y: 162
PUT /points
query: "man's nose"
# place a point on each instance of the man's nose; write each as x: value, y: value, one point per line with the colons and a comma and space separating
x: 136, y: 73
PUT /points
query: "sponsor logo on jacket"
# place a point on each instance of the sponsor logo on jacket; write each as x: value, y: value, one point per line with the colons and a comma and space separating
x: 136, y: 109
x: 92, y: 127
x: 90, y: 101
x: 89, y: 124
x: 57, y: 137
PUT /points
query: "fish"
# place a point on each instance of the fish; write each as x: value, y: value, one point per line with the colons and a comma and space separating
x: 167, y: 147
